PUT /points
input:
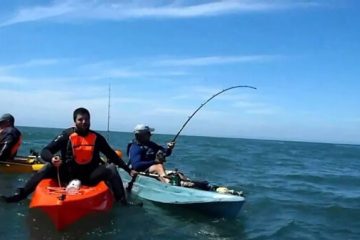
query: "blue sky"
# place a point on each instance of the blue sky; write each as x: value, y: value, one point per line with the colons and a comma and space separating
x: 164, y: 58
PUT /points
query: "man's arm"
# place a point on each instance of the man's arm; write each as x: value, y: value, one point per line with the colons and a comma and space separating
x: 167, y: 150
x: 111, y: 154
x: 5, y: 151
x: 136, y: 159
x: 54, y: 146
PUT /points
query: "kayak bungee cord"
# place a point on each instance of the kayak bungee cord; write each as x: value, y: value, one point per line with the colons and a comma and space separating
x: 203, y: 104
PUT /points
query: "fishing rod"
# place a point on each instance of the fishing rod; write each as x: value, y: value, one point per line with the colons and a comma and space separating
x: 203, y: 104
x: 108, y: 120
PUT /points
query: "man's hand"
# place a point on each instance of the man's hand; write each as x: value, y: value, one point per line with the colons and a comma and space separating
x: 56, y: 161
x: 133, y: 173
x: 171, y: 145
x: 160, y: 157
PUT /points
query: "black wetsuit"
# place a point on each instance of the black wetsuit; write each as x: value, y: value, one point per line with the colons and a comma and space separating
x: 8, y: 139
x: 89, y: 174
x: 62, y: 143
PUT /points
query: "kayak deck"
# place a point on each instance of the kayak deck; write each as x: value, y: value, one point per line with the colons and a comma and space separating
x: 65, y: 209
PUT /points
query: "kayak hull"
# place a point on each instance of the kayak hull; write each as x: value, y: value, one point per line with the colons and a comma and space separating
x: 21, y: 164
x: 64, y: 209
x: 228, y: 210
x: 208, y: 202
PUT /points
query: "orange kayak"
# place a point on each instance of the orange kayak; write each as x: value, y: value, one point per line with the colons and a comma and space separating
x: 63, y: 208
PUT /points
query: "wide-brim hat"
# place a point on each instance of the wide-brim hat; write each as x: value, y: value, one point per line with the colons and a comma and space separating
x: 140, y: 128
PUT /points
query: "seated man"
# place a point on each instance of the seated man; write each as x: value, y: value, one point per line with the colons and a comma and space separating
x: 10, y: 138
x: 145, y: 155
x: 80, y: 159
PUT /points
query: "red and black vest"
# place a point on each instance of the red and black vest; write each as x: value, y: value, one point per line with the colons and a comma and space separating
x: 83, y: 147
x: 15, y: 147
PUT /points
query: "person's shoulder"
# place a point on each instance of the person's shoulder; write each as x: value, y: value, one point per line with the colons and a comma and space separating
x: 65, y: 134
x: 133, y: 142
x: 68, y: 131
x: 98, y: 135
x: 11, y: 131
x: 151, y: 143
x: 17, y: 130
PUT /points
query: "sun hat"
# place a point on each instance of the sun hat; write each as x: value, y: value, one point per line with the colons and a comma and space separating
x: 143, y: 128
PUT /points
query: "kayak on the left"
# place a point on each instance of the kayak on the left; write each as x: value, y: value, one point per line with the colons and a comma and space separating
x: 21, y: 164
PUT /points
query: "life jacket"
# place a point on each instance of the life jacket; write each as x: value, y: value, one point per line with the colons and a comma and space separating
x: 82, y: 147
x: 16, y: 146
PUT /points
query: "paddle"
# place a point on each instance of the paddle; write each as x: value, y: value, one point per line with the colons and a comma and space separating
x: 131, y: 183
x: 37, y: 156
x: 133, y: 179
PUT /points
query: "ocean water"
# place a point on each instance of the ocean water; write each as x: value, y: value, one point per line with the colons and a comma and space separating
x: 294, y: 190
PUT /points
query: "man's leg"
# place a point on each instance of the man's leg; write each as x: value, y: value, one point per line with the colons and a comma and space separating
x: 46, y: 172
x: 110, y: 175
x: 159, y: 169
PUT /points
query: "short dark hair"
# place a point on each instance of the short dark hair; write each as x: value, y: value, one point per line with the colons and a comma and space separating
x: 80, y: 111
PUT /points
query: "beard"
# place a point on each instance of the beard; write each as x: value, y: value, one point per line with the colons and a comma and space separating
x: 82, y: 130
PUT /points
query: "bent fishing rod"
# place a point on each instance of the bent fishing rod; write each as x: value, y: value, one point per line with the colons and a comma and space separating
x: 203, y: 104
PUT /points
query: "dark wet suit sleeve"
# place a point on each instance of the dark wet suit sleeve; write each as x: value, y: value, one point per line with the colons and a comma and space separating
x: 8, y: 142
x: 157, y: 147
x: 104, y: 147
x: 167, y: 151
x: 54, y: 146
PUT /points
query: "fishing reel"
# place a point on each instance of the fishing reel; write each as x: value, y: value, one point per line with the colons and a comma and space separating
x: 160, y: 156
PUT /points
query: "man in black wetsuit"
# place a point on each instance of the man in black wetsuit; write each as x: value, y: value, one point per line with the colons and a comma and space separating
x: 10, y: 138
x: 79, y: 159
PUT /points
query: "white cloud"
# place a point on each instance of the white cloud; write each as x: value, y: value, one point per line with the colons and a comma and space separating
x: 11, y: 79
x: 250, y: 106
x: 53, y: 108
x: 204, y: 93
x: 125, y: 73
x: 172, y: 111
x: 67, y: 70
x: 40, y: 13
x: 213, y: 60
x: 118, y: 10
x: 262, y: 111
x: 31, y: 63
